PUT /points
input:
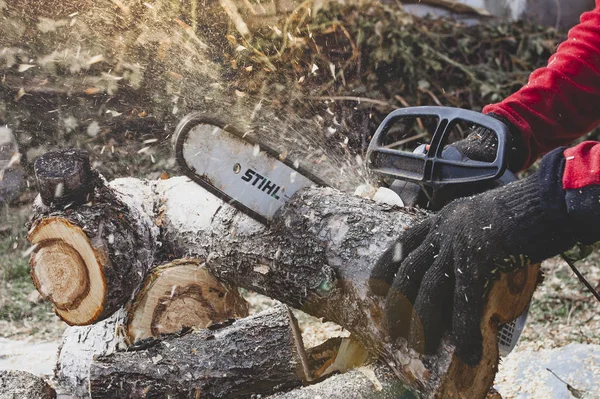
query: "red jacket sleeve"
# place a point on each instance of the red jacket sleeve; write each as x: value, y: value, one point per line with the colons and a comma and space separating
x: 582, y: 166
x: 561, y: 101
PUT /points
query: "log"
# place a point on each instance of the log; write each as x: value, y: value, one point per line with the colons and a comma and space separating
x: 316, y: 255
x: 181, y: 294
x: 21, y: 384
x: 89, y: 263
x: 253, y: 356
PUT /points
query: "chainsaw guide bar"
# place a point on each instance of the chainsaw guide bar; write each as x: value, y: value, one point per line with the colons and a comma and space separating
x: 247, y: 174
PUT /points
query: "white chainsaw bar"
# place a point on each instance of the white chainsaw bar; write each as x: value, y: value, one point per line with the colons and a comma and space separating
x: 242, y: 172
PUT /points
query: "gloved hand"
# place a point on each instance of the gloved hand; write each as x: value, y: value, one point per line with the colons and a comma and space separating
x: 437, y: 275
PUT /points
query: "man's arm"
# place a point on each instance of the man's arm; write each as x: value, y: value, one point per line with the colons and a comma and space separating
x: 561, y: 102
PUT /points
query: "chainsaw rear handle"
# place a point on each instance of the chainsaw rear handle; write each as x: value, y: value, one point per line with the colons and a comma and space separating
x: 431, y: 168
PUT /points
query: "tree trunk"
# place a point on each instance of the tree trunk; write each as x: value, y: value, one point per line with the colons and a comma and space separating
x: 257, y: 355
x: 317, y: 255
x: 181, y: 294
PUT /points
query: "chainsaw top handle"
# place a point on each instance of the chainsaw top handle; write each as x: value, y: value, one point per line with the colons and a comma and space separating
x: 431, y: 168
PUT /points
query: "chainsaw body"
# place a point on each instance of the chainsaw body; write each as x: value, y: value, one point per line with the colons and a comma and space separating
x: 435, y: 173
x: 258, y: 180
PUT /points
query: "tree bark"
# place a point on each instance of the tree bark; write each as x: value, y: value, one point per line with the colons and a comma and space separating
x: 317, y: 255
x: 256, y: 355
x: 80, y: 345
x: 180, y: 294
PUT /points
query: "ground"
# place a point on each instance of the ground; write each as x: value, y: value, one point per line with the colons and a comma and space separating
x: 562, y: 310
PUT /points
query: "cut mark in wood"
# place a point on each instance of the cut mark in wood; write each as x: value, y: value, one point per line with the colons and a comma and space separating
x: 76, y: 305
x: 61, y: 274
x: 181, y: 294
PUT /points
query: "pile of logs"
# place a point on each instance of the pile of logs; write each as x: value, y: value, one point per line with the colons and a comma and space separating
x: 147, y: 273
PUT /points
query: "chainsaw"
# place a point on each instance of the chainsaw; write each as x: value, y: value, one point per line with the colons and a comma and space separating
x: 256, y: 179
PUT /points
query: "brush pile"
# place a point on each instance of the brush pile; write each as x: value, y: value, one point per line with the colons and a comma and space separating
x: 115, y: 77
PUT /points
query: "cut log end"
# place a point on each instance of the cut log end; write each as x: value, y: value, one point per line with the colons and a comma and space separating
x: 61, y: 274
x: 182, y: 294
x: 67, y: 270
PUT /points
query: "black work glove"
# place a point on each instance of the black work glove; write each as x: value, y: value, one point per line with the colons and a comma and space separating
x: 438, y: 273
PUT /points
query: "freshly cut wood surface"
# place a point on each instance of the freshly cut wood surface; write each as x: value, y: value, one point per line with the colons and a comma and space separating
x: 182, y: 294
x: 508, y: 299
x: 67, y: 270
x: 257, y: 355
